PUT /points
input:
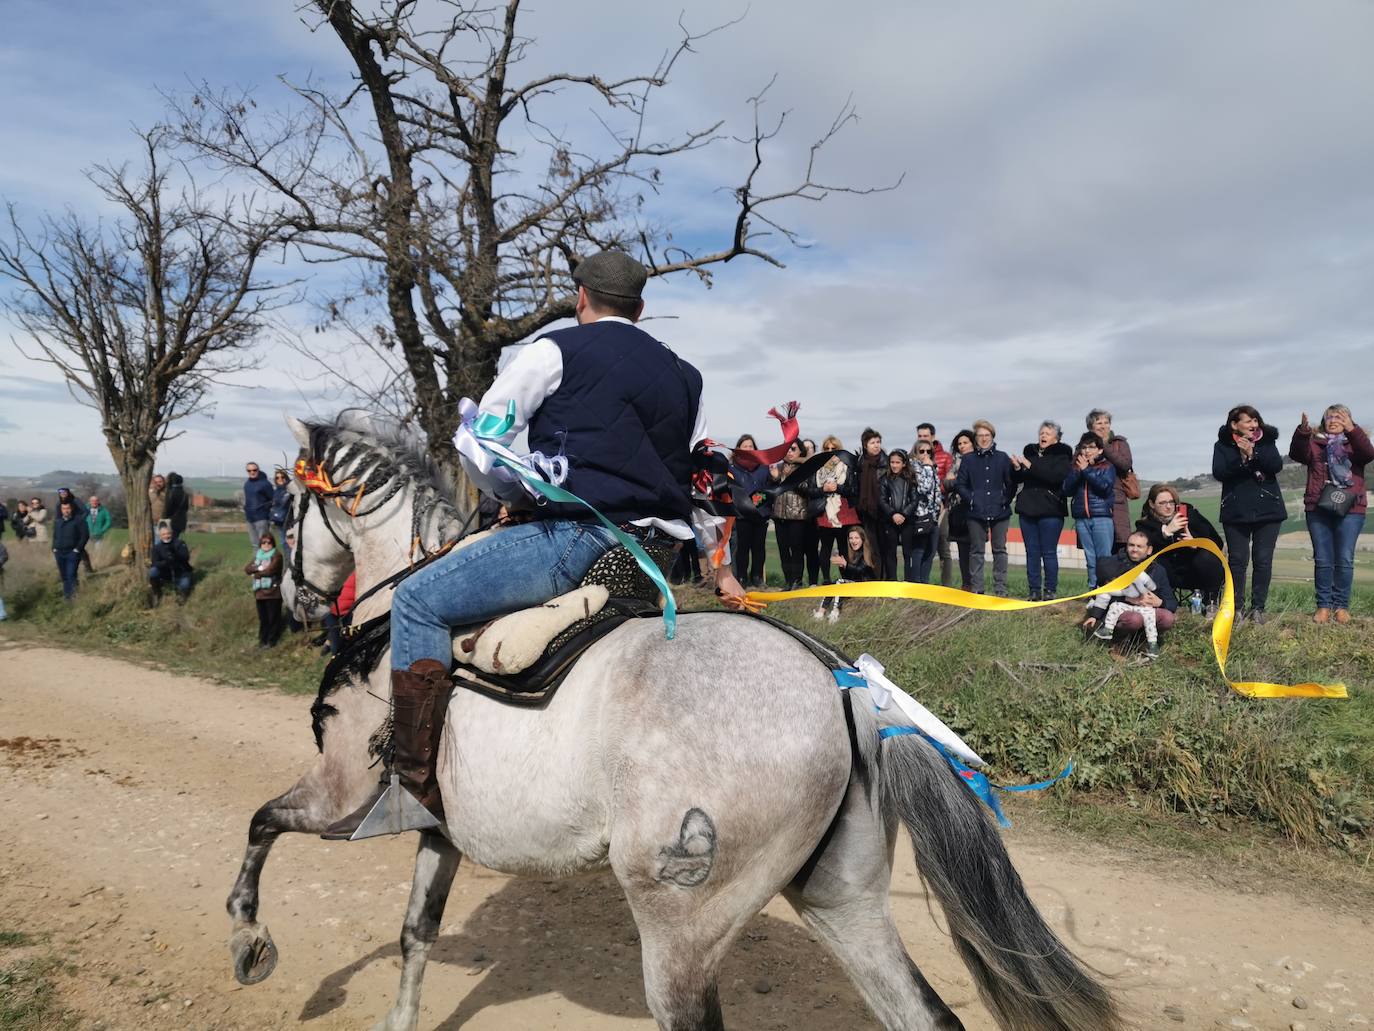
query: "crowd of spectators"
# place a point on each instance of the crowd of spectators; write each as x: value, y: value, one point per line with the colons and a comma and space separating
x: 910, y: 506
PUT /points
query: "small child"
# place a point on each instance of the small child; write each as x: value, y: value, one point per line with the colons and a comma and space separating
x: 856, y: 565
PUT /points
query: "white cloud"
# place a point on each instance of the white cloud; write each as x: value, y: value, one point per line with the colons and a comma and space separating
x: 1162, y: 208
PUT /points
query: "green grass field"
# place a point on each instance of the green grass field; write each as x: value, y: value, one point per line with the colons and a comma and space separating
x: 1167, y: 741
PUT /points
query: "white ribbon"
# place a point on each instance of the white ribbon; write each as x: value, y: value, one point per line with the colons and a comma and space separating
x: 480, y: 456
x: 883, y: 691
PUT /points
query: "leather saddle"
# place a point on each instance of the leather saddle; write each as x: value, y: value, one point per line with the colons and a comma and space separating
x: 614, y: 591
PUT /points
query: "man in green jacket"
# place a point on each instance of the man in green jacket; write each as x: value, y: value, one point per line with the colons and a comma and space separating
x: 98, y: 521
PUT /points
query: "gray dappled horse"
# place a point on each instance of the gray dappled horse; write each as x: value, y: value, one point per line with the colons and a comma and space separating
x: 710, y: 773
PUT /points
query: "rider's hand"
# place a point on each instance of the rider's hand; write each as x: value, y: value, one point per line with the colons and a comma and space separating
x: 731, y: 594
x: 1305, y: 426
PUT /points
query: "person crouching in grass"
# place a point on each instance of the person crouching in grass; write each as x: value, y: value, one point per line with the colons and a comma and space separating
x: 1110, y: 615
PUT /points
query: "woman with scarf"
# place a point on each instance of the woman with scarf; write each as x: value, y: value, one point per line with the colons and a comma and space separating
x: 1246, y: 460
x: 266, y: 571
x: 790, y: 518
x: 872, y: 469
x: 830, y: 490
x: 957, y: 524
x: 751, y: 520
x: 1335, y: 456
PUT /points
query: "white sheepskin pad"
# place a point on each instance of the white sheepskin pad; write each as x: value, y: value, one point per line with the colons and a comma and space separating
x: 512, y: 643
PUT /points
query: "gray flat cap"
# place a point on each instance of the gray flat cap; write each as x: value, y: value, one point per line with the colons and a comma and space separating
x: 613, y: 273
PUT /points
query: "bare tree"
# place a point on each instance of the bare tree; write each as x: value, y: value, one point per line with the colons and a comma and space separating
x: 142, y: 314
x: 465, y: 239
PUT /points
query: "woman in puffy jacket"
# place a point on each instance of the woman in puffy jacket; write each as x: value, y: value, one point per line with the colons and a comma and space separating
x: 1246, y: 460
x: 1090, y: 487
x: 1335, y: 455
x: 1040, y: 469
x: 984, y: 482
x: 897, y: 502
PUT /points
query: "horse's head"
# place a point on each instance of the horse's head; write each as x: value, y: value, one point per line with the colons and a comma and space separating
x: 321, y: 540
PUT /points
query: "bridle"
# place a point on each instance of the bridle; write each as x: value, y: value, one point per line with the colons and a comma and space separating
x: 347, y: 496
x: 298, y: 552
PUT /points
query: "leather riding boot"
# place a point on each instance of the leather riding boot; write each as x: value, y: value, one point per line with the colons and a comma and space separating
x: 419, y: 698
x: 419, y: 701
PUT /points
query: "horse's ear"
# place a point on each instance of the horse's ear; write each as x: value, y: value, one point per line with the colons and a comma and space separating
x: 299, y: 430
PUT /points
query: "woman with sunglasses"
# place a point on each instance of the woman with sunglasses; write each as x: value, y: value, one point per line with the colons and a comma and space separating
x: 929, y: 502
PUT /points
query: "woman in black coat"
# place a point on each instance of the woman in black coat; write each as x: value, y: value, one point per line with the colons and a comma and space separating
x: 1041, y: 469
x: 1164, y: 520
x: 1247, y: 461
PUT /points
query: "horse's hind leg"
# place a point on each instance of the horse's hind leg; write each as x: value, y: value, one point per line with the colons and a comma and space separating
x: 435, y: 864
x: 842, y: 894
x: 250, y: 944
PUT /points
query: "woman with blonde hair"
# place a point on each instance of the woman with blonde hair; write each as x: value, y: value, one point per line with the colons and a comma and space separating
x: 830, y: 492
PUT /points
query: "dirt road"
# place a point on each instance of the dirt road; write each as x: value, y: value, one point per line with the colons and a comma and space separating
x: 125, y: 796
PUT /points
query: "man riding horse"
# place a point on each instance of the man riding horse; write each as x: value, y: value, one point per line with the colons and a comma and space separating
x: 626, y: 414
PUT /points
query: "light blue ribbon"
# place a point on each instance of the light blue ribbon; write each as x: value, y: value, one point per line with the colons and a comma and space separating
x: 486, y: 426
x: 978, y: 783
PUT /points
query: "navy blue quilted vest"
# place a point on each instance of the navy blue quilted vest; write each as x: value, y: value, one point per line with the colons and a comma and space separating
x: 623, y: 415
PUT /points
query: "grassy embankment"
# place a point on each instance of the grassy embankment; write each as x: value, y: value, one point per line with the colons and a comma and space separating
x: 214, y: 634
x: 1158, y: 748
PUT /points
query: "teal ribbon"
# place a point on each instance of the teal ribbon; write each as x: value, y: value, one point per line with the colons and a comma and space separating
x: 490, y: 427
x: 493, y: 427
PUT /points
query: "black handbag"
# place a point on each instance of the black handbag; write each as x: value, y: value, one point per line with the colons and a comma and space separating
x: 1336, y: 500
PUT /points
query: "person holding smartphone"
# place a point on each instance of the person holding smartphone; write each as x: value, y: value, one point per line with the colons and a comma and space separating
x: 1165, y: 519
x: 1246, y: 460
x: 1336, y: 455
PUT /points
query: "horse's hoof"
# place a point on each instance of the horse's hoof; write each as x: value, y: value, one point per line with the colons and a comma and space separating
x: 255, y: 956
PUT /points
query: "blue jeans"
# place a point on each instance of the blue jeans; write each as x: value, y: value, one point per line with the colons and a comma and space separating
x: 1333, y: 555
x: 258, y: 527
x: 68, y: 562
x: 921, y: 557
x: 182, y: 582
x: 1095, y: 537
x: 513, y: 569
x: 1041, y: 535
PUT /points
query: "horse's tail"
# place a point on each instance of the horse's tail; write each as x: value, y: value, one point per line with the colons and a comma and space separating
x: 1026, y: 976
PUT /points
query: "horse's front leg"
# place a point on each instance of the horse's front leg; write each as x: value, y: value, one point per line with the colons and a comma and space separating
x: 435, y: 864
x: 250, y: 943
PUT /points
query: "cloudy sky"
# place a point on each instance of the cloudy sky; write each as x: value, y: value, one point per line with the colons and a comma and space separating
x: 1163, y: 209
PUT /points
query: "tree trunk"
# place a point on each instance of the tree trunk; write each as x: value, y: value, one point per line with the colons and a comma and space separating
x: 136, y: 475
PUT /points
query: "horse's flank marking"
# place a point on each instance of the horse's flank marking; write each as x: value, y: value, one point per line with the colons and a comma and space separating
x: 687, y: 862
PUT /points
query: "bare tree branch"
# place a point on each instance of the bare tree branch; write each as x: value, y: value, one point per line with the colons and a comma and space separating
x: 430, y: 182
x: 143, y: 314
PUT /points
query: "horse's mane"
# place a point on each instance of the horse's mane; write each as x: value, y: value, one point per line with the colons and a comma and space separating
x: 375, y: 450
x: 402, y: 446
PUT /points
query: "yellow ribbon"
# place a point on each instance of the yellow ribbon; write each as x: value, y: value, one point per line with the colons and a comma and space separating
x: 1221, y: 625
